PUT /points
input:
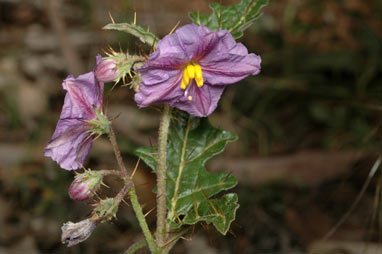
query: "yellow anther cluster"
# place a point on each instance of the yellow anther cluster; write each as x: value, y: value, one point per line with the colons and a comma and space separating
x: 192, y: 71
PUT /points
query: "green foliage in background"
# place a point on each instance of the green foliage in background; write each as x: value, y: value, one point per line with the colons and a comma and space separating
x: 234, y: 18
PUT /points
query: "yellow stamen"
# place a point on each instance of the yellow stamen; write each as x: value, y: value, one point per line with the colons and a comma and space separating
x: 183, y: 85
x: 189, y: 98
x: 198, y: 75
x: 192, y: 71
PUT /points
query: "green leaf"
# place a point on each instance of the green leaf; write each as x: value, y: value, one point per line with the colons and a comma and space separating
x: 141, y: 33
x: 234, y: 18
x: 191, y: 142
x: 221, y: 212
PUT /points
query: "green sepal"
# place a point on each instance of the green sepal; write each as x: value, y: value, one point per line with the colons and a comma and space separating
x: 93, y: 179
x: 125, y: 65
x: 106, y: 209
x: 234, y: 18
x: 191, y: 143
x: 141, y: 33
x: 100, y: 125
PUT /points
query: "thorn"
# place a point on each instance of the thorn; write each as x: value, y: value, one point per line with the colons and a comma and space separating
x: 124, y: 201
x: 177, y: 217
x: 142, y: 51
x: 186, y: 239
x: 232, y: 233
x: 103, y: 184
x: 96, y: 195
x: 195, y: 204
x: 135, y: 18
x: 115, y: 84
x: 152, y: 46
x: 111, y: 17
x: 209, y: 201
x: 111, y: 49
x: 172, y: 30
x: 99, y: 135
x: 135, y: 169
x: 152, y: 209
x: 115, y: 117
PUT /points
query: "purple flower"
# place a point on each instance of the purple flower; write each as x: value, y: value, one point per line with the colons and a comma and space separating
x: 72, y: 140
x: 106, y: 70
x: 191, y: 67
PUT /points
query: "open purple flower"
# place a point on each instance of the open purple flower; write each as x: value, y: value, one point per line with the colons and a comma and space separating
x: 72, y: 139
x: 191, y: 67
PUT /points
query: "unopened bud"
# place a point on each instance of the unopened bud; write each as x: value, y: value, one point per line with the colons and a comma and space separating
x: 85, y: 185
x: 79, y: 190
x: 74, y: 233
x: 106, y: 71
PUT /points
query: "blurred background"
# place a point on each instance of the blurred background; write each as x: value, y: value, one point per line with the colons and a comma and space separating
x: 309, y: 126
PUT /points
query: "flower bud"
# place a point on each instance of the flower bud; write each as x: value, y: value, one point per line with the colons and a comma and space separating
x: 106, y: 71
x: 85, y: 184
x: 74, y: 233
x: 79, y: 190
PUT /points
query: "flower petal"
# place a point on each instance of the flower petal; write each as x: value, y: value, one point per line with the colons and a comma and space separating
x: 159, y: 86
x: 85, y: 93
x: 70, y: 144
x: 196, y: 40
x: 229, y: 68
x: 204, y: 100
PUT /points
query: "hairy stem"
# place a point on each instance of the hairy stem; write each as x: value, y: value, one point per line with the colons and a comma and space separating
x: 161, y: 176
x: 142, y: 221
x: 117, y: 152
x: 129, y: 185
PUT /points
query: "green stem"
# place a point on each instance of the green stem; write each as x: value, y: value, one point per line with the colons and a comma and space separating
x: 161, y: 176
x: 142, y: 221
x: 132, y: 194
x: 136, y: 246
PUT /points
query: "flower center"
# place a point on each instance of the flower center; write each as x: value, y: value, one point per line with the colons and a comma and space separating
x: 192, y: 71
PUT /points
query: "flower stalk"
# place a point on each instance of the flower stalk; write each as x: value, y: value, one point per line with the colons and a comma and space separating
x: 161, y: 176
x: 132, y: 194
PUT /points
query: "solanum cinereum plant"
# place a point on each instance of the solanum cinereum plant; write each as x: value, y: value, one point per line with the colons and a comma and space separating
x: 185, y: 75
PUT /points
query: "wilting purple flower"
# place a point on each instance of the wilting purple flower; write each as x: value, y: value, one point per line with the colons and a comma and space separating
x: 106, y: 70
x: 191, y: 67
x: 72, y: 140
x: 75, y: 233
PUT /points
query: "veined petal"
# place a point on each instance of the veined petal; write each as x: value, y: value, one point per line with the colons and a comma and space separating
x: 229, y: 68
x: 163, y: 92
x: 204, y: 100
x: 85, y: 92
x: 70, y: 144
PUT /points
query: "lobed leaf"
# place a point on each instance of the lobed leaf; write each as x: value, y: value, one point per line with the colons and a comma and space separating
x: 191, y: 142
x: 234, y: 18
